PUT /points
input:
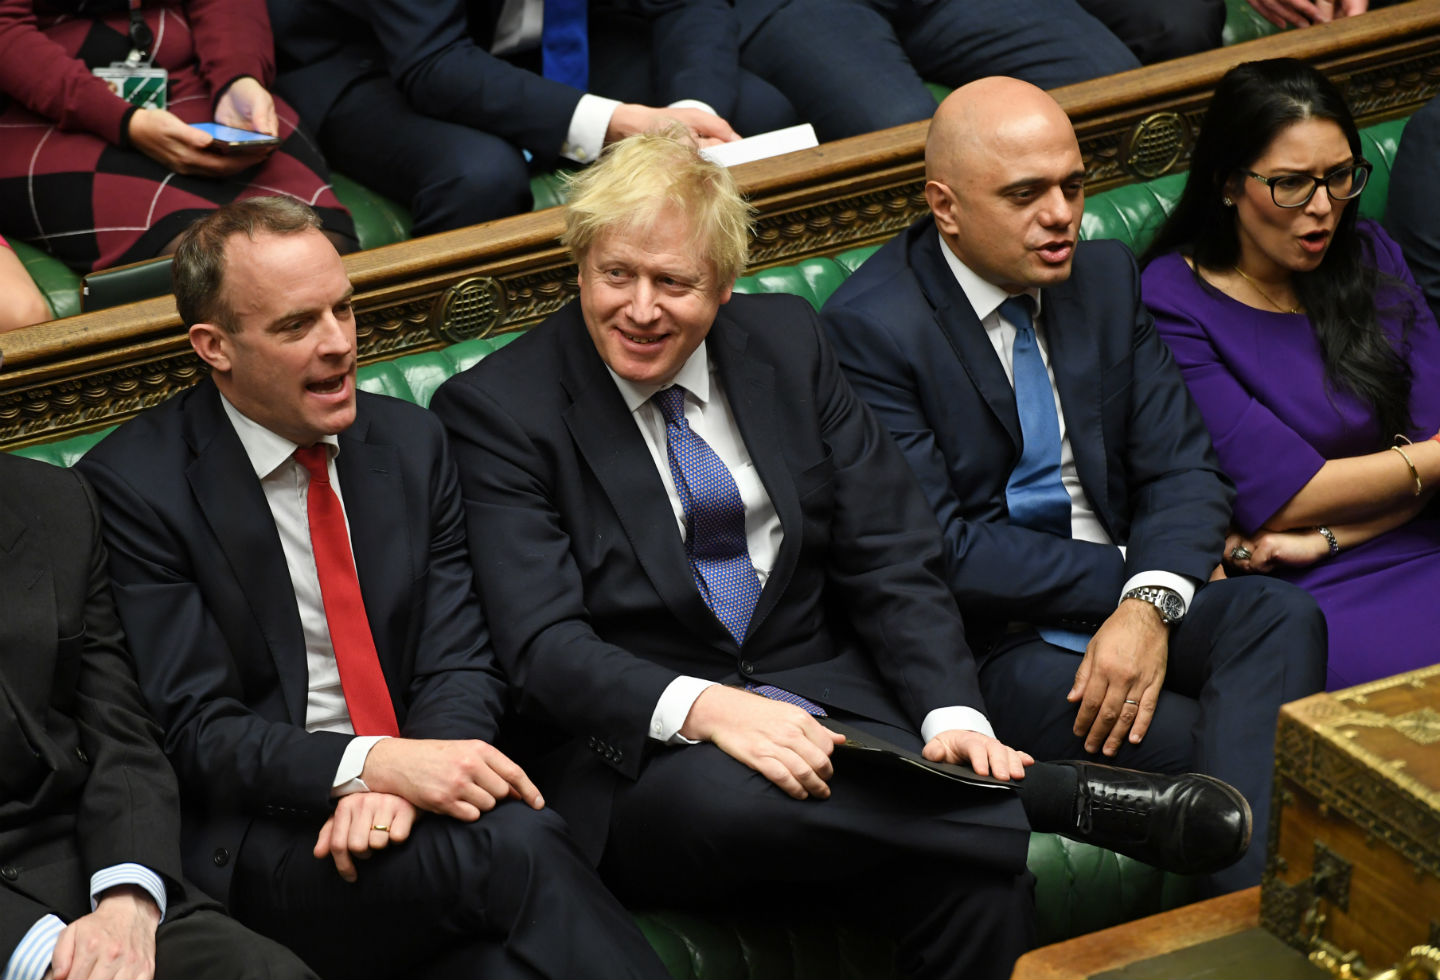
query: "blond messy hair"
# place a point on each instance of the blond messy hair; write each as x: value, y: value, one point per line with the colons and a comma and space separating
x: 640, y: 178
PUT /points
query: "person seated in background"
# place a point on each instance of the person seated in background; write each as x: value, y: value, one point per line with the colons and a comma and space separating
x: 693, y: 541
x: 854, y: 66
x: 1309, y: 350
x: 96, y: 181
x: 90, y: 882
x: 289, y: 559
x: 1081, y: 504
x: 1412, y: 213
x: 20, y: 301
x: 1303, y: 13
x: 440, y: 104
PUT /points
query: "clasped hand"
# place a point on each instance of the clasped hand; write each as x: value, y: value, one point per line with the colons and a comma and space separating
x: 460, y: 779
x: 1275, y: 549
x: 1119, y: 679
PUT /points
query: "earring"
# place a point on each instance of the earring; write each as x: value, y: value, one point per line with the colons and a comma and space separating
x: 1227, y: 202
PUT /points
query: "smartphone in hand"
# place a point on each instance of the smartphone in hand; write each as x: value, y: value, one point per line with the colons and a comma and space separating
x: 228, y: 139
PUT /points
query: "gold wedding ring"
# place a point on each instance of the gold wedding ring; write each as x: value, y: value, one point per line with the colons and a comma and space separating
x: 384, y: 828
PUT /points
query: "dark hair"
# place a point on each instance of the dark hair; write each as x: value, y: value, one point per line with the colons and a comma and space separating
x: 1252, y: 104
x: 198, y: 275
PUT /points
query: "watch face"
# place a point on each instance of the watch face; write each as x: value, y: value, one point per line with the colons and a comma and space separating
x: 1171, y: 606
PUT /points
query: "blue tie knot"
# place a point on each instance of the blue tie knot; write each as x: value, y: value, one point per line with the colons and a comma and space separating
x: 1019, y: 312
x: 671, y: 403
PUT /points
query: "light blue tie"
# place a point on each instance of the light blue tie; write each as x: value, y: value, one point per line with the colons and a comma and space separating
x: 1035, y: 493
x: 565, y: 43
x: 714, y: 519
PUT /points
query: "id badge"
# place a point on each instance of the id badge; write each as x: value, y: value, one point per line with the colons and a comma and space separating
x: 143, y: 86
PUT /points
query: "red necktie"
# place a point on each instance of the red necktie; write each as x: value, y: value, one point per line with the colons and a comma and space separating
x: 366, y: 695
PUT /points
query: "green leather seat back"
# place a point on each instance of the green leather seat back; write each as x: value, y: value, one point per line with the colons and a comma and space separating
x: 378, y: 220
x: 59, y: 286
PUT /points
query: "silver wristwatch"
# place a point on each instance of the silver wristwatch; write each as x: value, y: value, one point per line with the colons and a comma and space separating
x: 1167, y: 601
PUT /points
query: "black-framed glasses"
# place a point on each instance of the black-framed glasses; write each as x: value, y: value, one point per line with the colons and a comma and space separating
x: 1295, y: 190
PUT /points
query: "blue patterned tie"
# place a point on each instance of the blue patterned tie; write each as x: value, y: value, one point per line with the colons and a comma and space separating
x: 565, y: 43
x: 1035, y: 493
x: 714, y: 519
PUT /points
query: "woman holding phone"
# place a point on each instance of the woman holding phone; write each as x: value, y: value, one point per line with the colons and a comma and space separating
x: 97, y: 175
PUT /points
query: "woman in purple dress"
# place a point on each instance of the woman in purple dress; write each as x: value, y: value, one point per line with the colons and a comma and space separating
x: 1310, y: 352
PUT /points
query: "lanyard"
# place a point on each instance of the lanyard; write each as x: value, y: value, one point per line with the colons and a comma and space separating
x: 141, y: 37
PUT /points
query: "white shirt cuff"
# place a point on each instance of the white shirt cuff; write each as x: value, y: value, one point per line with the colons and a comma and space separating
x: 1180, y: 584
x: 956, y: 716
x: 674, y: 707
x: 692, y: 104
x: 128, y: 874
x: 352, y: 764
x: 36, y: 949
x: 586, y: 137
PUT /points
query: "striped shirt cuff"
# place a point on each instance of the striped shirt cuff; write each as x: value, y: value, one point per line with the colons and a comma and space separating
x: 32, y: 957
x: 128, y: 874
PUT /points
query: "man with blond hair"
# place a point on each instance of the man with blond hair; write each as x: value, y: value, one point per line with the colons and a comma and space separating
x: 290, y: 565
x: 695, y: 543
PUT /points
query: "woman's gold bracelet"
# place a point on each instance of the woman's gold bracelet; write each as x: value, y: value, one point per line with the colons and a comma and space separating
x: 1413, y: 471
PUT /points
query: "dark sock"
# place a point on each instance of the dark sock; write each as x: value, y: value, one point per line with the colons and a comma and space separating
x: 1048, y: 794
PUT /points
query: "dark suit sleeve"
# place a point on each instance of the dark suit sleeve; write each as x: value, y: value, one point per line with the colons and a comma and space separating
x: 1180, y: 500
x: 886, y: 561
x: 223, y: 750
x: 991, y: 566
x: 443, y: 73
x: 531, y: 587
x: 129, y: 809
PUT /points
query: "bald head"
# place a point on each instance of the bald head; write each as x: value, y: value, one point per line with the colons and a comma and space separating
x: 1005, y: 182
x: 991, y: 117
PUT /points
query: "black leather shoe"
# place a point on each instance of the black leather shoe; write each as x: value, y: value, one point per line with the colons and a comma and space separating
x: 1189, y: 824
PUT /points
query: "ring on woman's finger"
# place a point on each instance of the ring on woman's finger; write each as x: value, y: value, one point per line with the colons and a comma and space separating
x: 384, y: 828
x: 1130, y: 701
x: 1239, y: 553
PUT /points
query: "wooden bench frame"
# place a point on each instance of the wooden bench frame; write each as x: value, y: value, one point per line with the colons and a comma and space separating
x: 96, y: 369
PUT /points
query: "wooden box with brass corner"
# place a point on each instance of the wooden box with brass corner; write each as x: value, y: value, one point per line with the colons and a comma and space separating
x: 1353, y: 876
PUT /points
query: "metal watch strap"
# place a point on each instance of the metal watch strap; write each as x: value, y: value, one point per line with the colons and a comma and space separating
x: 1157, y: 596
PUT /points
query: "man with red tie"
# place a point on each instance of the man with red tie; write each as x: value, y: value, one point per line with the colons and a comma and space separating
x: 290, y: 565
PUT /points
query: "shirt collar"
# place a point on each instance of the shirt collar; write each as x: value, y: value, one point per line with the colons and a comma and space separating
x: 985, y: 297
x: 693, y: 376
x: 266, y: 450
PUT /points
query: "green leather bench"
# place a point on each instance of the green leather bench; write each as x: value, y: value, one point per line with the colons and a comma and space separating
x: 1079, y: 888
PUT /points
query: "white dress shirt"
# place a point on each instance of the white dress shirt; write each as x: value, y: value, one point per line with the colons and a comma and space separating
x: 518, y: 29
x: 707, y: 410
x: 287, y: 485
x: 985, y: 298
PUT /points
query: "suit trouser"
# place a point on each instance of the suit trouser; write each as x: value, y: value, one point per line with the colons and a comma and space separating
x: 1412, y: 215
x: 1161, y: 31
x: 941, y: 868
x: 1245, y: 647
x: 208, y: 944
x: 851, y: 68
x: 506, y: 896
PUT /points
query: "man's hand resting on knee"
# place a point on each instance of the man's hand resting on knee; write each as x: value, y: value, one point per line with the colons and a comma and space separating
x: 780, y: 741
x: 1119, y: 680
x: 460, y: 779
x: 986, y: 754
x: 116, y: 940
x: 362, y: 824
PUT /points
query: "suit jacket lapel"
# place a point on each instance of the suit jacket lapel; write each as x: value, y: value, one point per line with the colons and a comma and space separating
x: 234, y: 506
x: 374, y: 493
x: 1077, y: 377
x: 608, y: 439
x: 962, y: 328
x: 750, y: 388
